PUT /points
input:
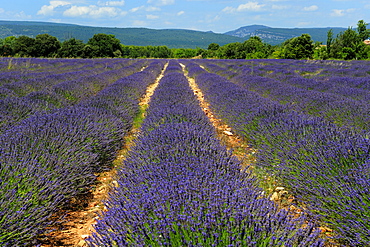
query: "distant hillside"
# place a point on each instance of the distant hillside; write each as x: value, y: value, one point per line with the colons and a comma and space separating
x: 276, y: 36
x: 246, y: 31
x: 172, y: 38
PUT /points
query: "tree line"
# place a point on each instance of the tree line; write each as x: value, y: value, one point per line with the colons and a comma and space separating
x: 346, y: 45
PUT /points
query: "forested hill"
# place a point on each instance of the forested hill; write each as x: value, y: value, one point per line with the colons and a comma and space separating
x: 276, y: 36
x: 172, y: 38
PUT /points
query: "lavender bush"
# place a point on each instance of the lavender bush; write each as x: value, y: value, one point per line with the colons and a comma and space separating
x: 315, y: 159
x: 180, y: 187
x: 51, y: 157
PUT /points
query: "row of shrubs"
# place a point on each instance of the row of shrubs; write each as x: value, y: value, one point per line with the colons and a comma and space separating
x: 49, y: 158
x: 180, y: 187
x: 324, y: 166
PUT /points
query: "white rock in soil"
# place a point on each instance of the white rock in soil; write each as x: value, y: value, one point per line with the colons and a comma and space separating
x: 279, y: 188
x: 274, y: 197
x: 228, y: 133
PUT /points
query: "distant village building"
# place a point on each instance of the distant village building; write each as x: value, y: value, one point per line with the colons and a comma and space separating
x: 367, y: 42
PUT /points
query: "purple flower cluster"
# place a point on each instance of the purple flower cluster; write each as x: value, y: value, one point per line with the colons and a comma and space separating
x: 341, y: 100
x: 48, y: 158
x: 180, y: 187
x: 346, y: 112
x: 50, y: 92
x: 324, y: 166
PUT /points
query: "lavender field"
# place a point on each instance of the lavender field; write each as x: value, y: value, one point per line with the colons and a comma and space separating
x: 62, y: 122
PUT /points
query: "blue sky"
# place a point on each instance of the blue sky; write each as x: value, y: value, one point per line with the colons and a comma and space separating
x: 203, y: 15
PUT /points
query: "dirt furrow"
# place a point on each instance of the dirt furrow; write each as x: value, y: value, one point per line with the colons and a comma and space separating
x: 233, y: 142
x: 245, y: 154
x: 79, y: 221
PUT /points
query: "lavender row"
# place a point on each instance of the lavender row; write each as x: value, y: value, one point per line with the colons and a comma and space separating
x: 31, y: 82
x: 180, y: 187
x: 350, y: 113
x: 288, y: 89
x: 24, y: 68
x: 348, y: 87
x: 325, y: 167
x: 63, y: 94
x: 352, y: 74
x: 320, y: 77
x: 48, y: 159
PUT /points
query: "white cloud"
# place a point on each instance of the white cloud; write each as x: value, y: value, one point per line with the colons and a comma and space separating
x: 229, y: 10
x: 50, y: 9
x: 337, y: 12
x: 152, y: 17
x: 342, y: 12
x: 77, y: 11
x: 181, y: 13
x: 105, y: 9
x: 21, y: 16
x: 161, y: 2
x: 137, y: 8
x: 2, y: 11
x: 112, y: 3
x: 93, y: 12
x: 250, y: 6
x: 311, y: 8
x: 148, y: 9
x: 152, y: 8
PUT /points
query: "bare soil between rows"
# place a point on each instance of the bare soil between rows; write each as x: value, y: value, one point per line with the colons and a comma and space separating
x: 84, y: 211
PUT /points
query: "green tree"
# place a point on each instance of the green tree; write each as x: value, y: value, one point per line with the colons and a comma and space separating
x: 213, y: 47
x: 71, y: 48
x: 104, y: 45
x: 254, y: 48
x: 7, y: 45
x: 184, y: 53
x: 46, y: 45
x: 321, y: 53
x: 135, y: 52
x: 231, y: 51
x: 329, y: 40
x: 362, y: 30
x: 212, y: 50
x: 301, y: 47
x: 160, y: 52
x: 24, y: 46
x: 89, y: 51
x: 348, y: 45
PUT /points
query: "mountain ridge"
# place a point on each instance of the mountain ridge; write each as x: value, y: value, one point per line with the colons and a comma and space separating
x: 172, y: 38
x: 276, y: 36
